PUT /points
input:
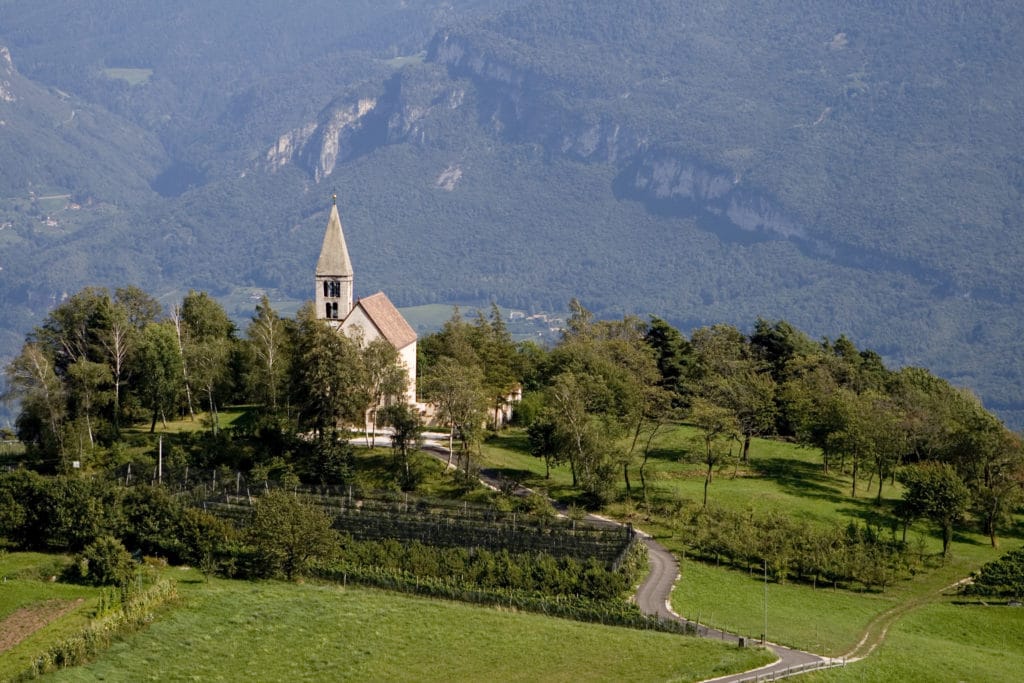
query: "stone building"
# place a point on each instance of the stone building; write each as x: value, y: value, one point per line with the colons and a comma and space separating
x: 369, y: 318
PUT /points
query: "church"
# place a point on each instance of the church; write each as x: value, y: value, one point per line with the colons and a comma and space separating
x: 371, y: 317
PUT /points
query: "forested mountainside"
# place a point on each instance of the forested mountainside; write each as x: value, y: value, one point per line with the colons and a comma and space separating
x: 851, y: 168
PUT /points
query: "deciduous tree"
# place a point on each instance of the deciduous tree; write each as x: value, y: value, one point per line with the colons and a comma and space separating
x: 289, y: 534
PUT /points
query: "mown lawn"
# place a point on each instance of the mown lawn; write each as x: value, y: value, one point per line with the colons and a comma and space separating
x: 271, y: 631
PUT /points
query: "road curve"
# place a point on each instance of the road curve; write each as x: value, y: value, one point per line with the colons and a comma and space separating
x: 654, y: 593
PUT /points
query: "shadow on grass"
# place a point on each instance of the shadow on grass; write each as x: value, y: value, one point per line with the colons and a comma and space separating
x: 802, y: 479
x: 519, y: 476
x: 865, y: 510
x: 513, y: 441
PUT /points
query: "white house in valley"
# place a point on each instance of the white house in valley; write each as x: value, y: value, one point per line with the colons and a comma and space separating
x: 369, y: 318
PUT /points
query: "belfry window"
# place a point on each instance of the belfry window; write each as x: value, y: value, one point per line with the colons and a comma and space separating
x: 334, y: 310
x: 334, y: 290
x: 325, y: 287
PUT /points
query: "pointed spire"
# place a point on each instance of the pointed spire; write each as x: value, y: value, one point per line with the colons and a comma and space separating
x: 334, y: 259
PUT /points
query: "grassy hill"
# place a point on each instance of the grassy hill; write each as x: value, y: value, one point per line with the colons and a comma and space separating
x: 785, y: 479
x: 279, y: 631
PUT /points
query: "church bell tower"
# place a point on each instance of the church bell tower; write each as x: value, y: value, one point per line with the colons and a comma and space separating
x: 333, y: 272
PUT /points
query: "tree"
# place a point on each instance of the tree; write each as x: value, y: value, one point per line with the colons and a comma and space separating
x: 204, y: 333
x: 990, y: 459
x: 139, y: 308
x: 32, y: 379
x: 1003, y: 577
x: 117, y: 342
x: 497, y: 353
x: 935, y: 491
x: 578, y: 432
x: 328, y: 367
x: 208, y: 360
x: 289, y: 535
x: 777, y: 344
x: 157, y: 365
x: 384, y: 380
x: 406, y: 439
x: 751, y: 397
x: 542, y: 435
x: 71, y: 331
x: 458, y: 392
x: 717, y: 427
x: 674, y: 357
x: 88, y: 380
x: 887, y: 432
x: 269, y: 340
x: 104, y: 562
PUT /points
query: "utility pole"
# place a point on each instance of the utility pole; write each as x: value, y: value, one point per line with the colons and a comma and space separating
x: 764, y: 633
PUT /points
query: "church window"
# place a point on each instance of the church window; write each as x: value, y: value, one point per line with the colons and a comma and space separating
x: 325, y: 287
x: 335, y: 289
x: 327, y: 314
x: 334, y: 309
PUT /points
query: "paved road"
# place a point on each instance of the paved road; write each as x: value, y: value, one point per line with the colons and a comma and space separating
x: 652, y: 597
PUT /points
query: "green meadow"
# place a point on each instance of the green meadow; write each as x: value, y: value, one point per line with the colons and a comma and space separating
x: 27, y: 594
x: 274, y: 631
x: 786, y: 478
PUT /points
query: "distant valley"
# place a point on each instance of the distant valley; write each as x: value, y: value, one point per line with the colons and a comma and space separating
x: 854, y: 170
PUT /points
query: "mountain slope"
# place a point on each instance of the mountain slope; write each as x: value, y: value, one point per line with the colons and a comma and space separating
x: 854, y: 169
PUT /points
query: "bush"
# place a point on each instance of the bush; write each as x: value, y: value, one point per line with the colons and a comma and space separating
x: 104, y: 562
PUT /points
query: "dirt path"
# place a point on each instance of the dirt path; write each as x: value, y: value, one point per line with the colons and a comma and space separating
x: 25, y: 621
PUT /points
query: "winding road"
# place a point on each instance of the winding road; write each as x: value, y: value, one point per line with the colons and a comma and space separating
x: 654, y: 593
x: 653, y: 598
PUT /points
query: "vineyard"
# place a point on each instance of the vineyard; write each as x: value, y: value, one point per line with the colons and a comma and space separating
x: 448, y: 524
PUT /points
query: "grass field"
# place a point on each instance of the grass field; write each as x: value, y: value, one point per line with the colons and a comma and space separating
x: 230, y: 630
x: 779, y: 477
x: 28, y: 596
x: 944, y: 642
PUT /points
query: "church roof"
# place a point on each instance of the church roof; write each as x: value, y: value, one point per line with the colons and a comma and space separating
x: 383, y: 314
x: 334, y: 254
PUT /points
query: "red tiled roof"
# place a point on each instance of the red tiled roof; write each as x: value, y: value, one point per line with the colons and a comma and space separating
x: 383, y: 314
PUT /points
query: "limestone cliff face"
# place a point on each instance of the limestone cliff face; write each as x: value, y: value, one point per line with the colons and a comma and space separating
x: 319, y: 145
x: 6, y: 72
x: 662, y: 176
x: 401, y: 111
x: 516, y: 103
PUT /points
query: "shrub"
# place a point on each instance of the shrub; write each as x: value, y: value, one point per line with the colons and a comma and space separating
x: 104, y: 562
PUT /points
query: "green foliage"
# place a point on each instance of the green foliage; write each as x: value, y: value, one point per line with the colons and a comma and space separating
x: 1002, y: 578
x: 104, y: 562
x: 769, y: 202
x: 477, y: 568
x: 935, y: 491
x: 288, y: 535
x: 797, y: 551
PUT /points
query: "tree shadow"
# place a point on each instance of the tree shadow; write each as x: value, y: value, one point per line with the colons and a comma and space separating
x: 511, y: 474
x: 513, y: 441
x: 865, y: 510
x: 802, y: 479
